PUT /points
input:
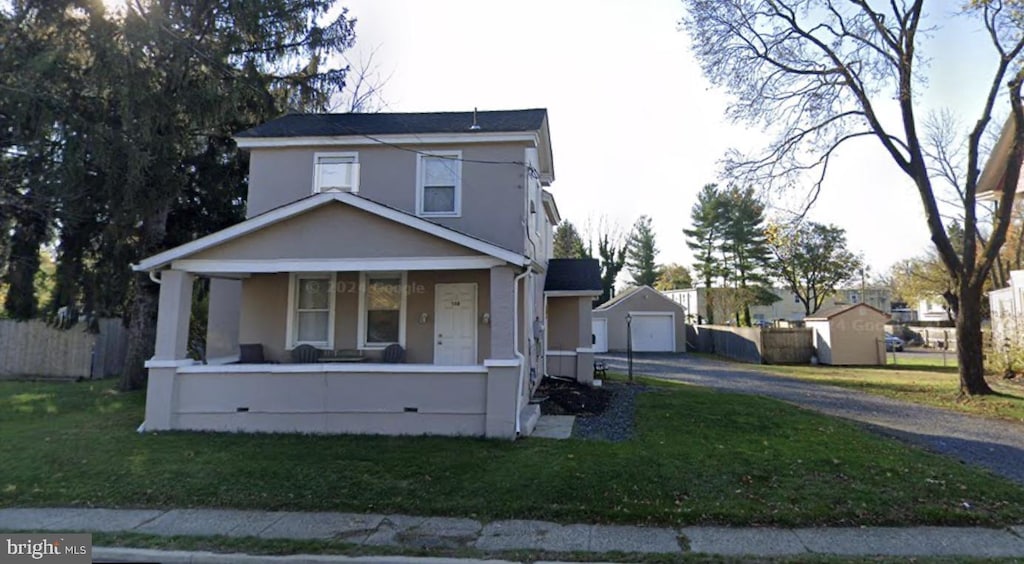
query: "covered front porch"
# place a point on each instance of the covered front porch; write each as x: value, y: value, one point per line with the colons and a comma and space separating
x: 461, y: 373
x: 457, y: 307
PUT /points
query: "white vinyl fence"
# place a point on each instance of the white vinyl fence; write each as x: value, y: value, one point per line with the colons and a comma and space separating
x: 33, y: 349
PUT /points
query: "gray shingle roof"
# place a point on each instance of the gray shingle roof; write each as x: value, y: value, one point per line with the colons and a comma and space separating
x: 314, y: 125
x: 573, y: 275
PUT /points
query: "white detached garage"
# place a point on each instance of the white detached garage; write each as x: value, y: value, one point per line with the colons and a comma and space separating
x: 657, y: 323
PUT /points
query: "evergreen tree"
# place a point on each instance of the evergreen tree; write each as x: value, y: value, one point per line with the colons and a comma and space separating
x: 704, y: 238
x: 130, y: 117
x: 568, y: 243
x: 642, y: 253
x: 745, y: 247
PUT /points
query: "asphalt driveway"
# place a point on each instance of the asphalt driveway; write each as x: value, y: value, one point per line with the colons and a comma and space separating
x: 996, y: 445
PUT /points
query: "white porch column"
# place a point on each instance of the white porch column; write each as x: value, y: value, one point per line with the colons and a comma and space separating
x: 503, y: 311
x: 223, y: 318
x: 175, y: 310
x: 174, y: 315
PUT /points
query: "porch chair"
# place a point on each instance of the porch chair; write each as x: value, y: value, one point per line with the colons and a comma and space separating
x: 394, y: 354
x: 305, y: 354
x: 251, y: 353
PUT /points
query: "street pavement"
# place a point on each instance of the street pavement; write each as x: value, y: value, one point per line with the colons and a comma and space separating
x: 404, y: 532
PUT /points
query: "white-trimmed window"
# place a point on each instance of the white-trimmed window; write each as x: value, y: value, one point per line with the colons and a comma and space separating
x: 335, y: 172
x: 439, y: 184
x: 311, y: 310
x: 382, y: 300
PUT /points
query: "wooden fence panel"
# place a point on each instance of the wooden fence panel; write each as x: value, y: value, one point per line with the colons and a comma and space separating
x: 33, y: 349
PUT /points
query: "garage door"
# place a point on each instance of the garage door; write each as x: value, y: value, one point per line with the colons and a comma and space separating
x: 600, y: 331
x: 653, y: 332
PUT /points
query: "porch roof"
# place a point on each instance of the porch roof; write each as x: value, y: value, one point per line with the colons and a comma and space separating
x: 185, y: 257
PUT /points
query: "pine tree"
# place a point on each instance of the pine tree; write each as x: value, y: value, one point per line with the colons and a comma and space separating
x: 568, y: 243
x: 642, y: 253
x: 704, y: 238
x: 745, y: 247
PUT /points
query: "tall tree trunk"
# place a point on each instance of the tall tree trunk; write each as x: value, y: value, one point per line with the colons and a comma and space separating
x: 969, y: 342
x: 23, y: 265
x: 145, y: 302
x: 141, y: 332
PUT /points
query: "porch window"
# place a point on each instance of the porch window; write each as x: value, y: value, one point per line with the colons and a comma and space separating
x: 382, y: 309
x: 439, y: 189
x: 336, y: 172
x: 311, y: 310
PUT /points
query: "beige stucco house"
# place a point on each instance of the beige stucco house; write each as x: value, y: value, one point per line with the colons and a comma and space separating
x: 428, y: 231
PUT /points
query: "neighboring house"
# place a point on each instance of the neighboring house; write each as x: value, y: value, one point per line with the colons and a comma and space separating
x: 878, y: 298
x: 658, y: 324
x: 1006, y: 307
x: 852, y: 334
x: 933, y: 309
x: 788, y: 307
x: 428, y: 231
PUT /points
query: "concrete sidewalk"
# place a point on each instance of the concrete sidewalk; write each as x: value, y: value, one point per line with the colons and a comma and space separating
x: 409, y: 532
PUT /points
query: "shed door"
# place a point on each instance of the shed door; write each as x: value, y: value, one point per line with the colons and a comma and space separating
x: 653, y: 332
x: 599, y: 327
x: 455, y: 324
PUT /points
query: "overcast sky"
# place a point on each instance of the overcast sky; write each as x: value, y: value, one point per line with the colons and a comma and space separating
x: 636, y: 129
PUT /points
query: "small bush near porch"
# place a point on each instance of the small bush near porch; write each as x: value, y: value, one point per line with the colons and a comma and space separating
x: 698, y: 457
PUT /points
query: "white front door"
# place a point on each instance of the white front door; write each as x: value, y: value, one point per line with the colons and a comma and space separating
x: 454, y: 324
x: 599, y: 328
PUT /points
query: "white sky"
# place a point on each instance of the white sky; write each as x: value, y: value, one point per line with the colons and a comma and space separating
x: 636, y: 129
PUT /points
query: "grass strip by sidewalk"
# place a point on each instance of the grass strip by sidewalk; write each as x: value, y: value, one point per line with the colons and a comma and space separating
x: 699, y: 457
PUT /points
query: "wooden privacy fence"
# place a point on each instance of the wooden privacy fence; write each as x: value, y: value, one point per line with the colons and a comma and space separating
x: 33, y: 349
x: 760, y: 346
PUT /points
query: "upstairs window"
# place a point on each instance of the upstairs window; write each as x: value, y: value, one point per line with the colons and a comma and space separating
x: 336, y: 172
x: 439, y: 184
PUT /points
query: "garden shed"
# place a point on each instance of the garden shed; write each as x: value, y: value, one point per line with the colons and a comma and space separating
x: 852, y: 334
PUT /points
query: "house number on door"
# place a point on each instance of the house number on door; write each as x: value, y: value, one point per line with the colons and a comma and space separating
x: 455, y: 304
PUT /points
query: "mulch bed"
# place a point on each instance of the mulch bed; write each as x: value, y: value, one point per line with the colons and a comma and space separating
x: 607, y: 413
x: 571, y: 398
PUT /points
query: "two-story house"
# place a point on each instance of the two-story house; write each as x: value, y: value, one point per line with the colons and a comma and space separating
x: 420, y: 238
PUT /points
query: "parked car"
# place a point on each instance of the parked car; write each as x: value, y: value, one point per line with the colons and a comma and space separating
x: 893, y: 343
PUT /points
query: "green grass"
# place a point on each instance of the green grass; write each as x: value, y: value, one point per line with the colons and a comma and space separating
x: 920, y: 383
x: 700, y: 457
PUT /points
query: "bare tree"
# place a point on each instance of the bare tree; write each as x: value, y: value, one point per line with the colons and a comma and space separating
x: 365, y: 83
x: 819, y: 73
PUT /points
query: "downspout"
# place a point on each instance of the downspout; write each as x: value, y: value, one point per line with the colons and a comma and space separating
x: 515, y: 343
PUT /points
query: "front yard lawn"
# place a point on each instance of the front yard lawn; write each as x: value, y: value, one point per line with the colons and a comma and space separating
x: 917, y: 383
x: 699, y: 457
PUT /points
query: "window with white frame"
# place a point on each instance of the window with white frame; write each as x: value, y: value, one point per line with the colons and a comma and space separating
x: 439, y: 186
x: 311, y: 310
x: 336, y: 172
x: 382, y: 308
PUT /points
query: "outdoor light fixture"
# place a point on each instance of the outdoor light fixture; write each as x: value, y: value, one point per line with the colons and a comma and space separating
x: 423, y: 318
x: 485, y: 318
